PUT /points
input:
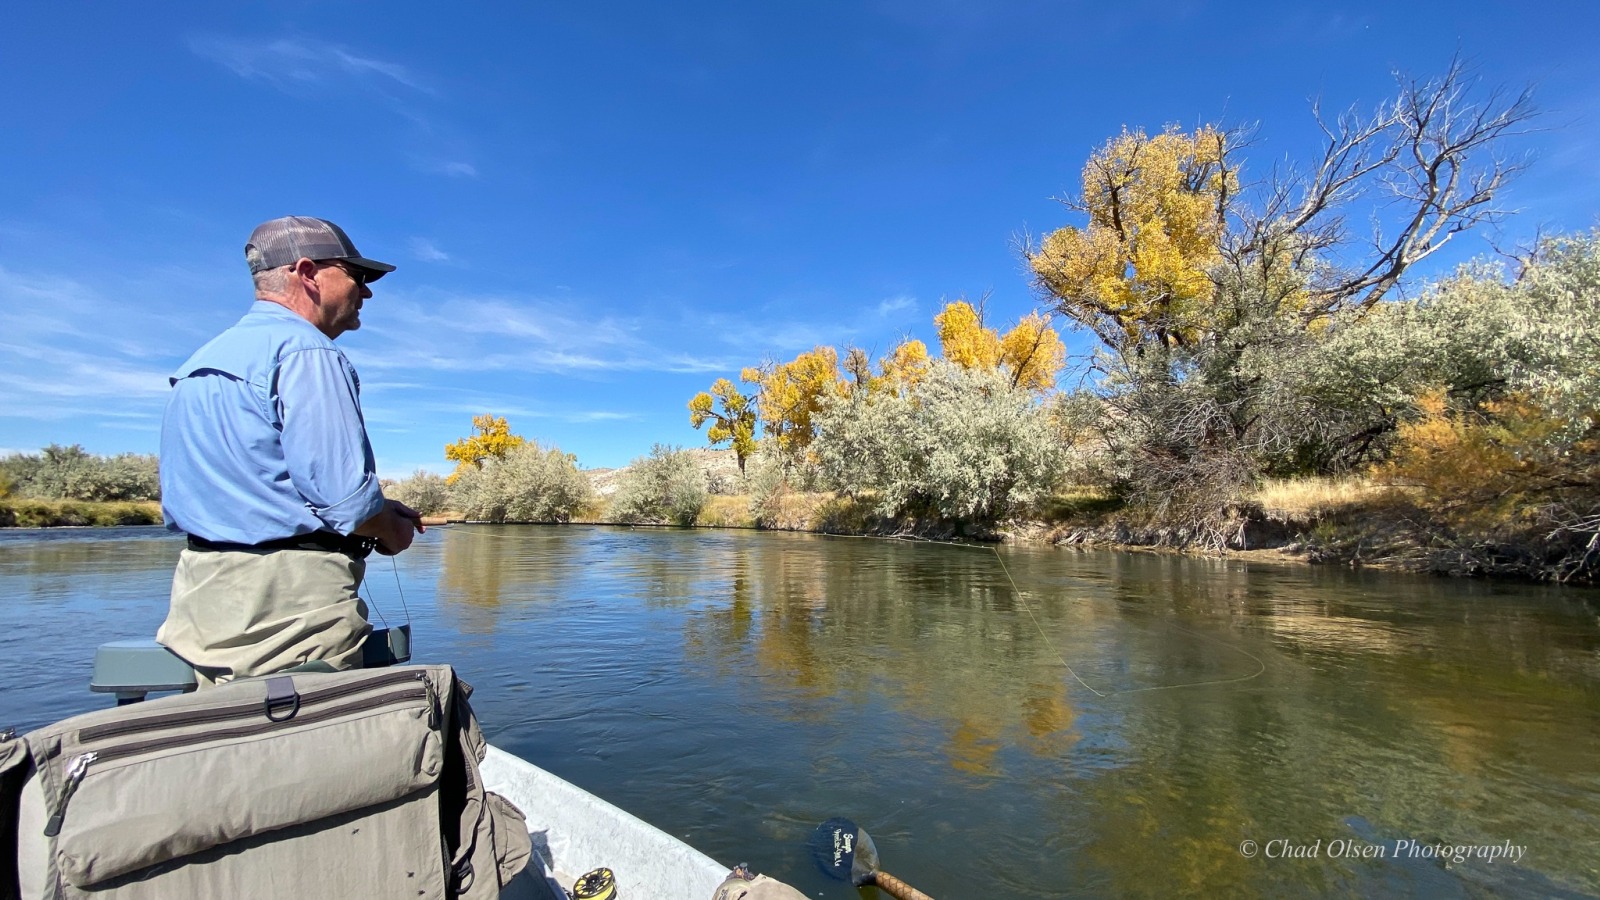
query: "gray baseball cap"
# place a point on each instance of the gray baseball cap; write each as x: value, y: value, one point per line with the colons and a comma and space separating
x: 282, y: 241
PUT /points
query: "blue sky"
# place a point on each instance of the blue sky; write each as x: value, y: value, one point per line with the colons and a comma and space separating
x: 598, y: 209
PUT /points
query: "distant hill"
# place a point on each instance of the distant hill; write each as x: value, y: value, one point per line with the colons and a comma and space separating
x: 721, y: 466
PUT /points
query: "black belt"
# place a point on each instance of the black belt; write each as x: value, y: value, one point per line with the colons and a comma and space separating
x: 352, y: 545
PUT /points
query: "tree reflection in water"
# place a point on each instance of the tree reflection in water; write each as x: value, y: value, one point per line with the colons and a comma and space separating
x: 1114, y: 723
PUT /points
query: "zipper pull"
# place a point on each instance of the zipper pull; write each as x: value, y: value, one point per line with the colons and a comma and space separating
x: 76, y: 769
x: 433, y: 701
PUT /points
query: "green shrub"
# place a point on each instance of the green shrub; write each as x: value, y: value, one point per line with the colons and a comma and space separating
x: 72, y: 473
x: 964, y: 444
x: 528, y: 484
x: 668, y: 486
x: 424, y: 492
x: 846, y: 515
x: 766, y: 480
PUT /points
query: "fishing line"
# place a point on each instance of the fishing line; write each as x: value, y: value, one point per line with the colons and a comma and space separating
x: 395, y: 567
x: 371, y: 598
x: 1261, y: 667
x: 1047, y: 642
x: 1021, y: 598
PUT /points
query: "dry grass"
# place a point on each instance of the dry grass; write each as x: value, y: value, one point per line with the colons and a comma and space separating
x: 1315, y: 498
x: 794, y: 511
x: 1080, y: 503
x: 726, y: 511
x: 57, y: 513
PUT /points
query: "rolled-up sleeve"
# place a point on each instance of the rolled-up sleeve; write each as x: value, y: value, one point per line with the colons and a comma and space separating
x: 324, y: 438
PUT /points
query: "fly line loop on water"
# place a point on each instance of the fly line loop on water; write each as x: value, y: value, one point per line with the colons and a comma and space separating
x: 1055, y: 651
x: 1022, y: 599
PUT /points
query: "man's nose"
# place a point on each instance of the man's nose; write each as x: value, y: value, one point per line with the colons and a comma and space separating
x: 365, y: 291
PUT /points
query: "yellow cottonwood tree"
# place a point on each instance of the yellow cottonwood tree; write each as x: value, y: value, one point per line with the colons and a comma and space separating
x: 905, y: 366
x: 792, y: 393
x: 735, y: 424
x: 491, y: 437
x: 1138, y: 273
x: 963, y: 338
x: 1033, y: 353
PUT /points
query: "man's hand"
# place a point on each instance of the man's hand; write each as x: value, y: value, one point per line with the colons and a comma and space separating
x: 394, y: 526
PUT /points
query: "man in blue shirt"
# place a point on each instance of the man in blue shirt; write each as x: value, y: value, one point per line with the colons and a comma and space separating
x: 265, y: 464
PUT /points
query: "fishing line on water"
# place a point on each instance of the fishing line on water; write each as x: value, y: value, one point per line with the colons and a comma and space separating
x: 1035, y: 619
x: 1021, y: 598
x: 477, y: 532
x: 395, y: 567
x: 1261, y: 667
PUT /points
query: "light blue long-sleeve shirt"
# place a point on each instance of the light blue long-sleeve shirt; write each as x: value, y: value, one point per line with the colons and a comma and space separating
x: 263, y: 436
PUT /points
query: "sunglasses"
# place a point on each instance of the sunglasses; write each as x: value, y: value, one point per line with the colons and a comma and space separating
x: 356, y: 275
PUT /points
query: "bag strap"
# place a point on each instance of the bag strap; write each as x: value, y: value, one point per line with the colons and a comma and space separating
x: 462, y: 803
x: 14, y: 765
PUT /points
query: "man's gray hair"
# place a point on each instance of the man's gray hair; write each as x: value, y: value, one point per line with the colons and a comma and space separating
x: 268, y: 281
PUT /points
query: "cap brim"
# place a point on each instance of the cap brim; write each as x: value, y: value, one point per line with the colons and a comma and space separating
x: 374, y: 268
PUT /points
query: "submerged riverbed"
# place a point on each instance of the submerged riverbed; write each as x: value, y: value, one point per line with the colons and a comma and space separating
x: 1005, y: 722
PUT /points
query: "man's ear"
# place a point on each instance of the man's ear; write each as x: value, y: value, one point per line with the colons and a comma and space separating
x: 305, y: 271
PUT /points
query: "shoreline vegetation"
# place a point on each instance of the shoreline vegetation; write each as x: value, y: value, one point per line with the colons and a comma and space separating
x: 1345, y: 521
x: 1350, y: 522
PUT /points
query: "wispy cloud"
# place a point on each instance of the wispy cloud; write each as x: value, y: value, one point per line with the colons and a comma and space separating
x: 749, y: 338
x: 307, y: 67
x: 293, y: 64
x: 439, y: 165
x: 453, y: 333
x: 891, y: 305
x: 425, y: 250
x: 67, y: 351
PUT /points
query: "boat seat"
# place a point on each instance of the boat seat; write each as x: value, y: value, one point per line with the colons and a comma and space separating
x: 132, y: 669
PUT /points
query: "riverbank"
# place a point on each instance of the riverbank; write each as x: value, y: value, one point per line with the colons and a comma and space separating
x: 1349, y: 522
x: 1345, y: 522
x: 15, y: 513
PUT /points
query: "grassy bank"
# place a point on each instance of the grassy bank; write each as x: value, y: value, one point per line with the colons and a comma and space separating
x: 1345, y: 521
x: 16, y: 513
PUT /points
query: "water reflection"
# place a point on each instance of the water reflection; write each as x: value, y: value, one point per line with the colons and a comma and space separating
x: 38, y: 563
x: 1438, y: 708
x: 1015, y: 722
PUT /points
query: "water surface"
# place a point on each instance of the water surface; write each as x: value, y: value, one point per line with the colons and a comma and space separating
x: 1012, y: 722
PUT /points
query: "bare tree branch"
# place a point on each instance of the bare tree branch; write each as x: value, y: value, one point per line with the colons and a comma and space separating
x: 1428, y: 144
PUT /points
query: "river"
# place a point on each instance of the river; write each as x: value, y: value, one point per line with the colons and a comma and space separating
x: 1018, y: 722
